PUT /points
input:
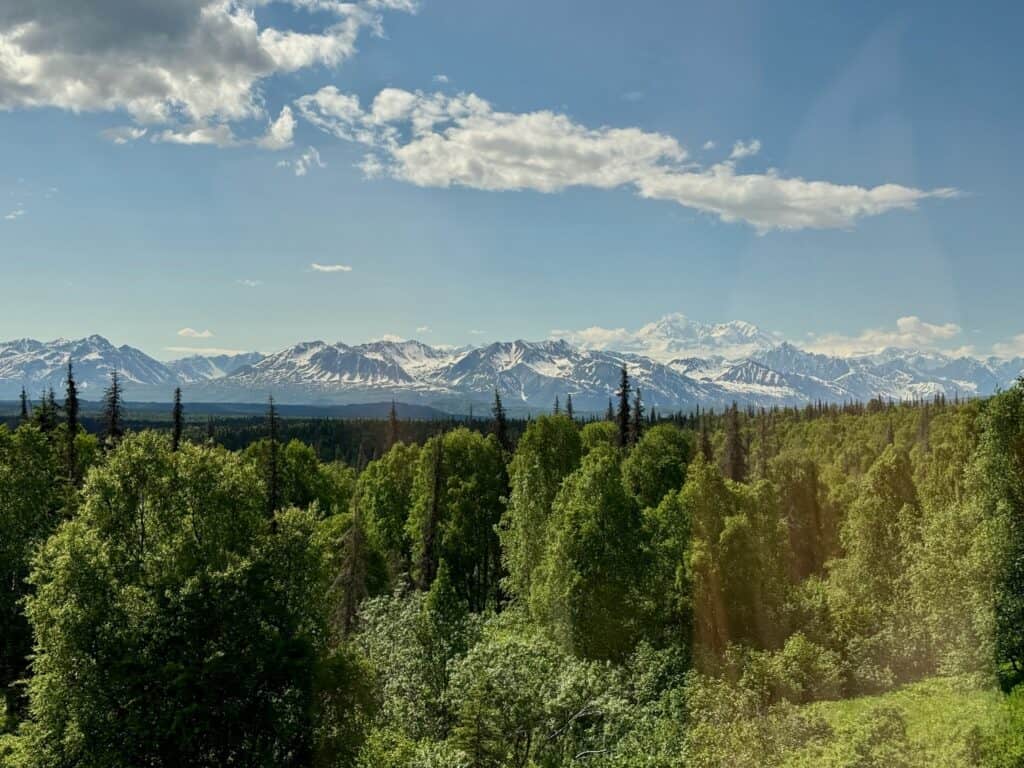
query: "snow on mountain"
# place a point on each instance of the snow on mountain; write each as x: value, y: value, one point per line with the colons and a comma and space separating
x: 529, y: 375
x: 197, y: 368
x: 676, y: 336
x: 38, y: 366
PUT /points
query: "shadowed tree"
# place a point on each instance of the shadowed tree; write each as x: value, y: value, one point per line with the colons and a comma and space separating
x: 636, y: 427
x: 392, y: 434
x: 568, y: 408
x: 178, y: 419
x: 500, y: 427
x: 273, y: 469
x: 112, y: 429
x: 623, y: 414
x: 734, y: 458
x: 23, y: 418
x: 71, y: 421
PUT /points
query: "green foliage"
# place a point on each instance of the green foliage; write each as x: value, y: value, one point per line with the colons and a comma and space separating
x: 171, y: 627
x: 599, y: 434
x: 657, y: 464
x: 383, y: 495
x: 549, y: 449
x: 454, y: 515
x: 589, y: 587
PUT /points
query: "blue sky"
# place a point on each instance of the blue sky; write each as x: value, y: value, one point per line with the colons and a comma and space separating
x: 533, y: 166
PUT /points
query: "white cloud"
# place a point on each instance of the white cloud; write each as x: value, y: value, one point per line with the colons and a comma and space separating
x: 745, y: 149
x: 708, y: 145
x: 910, y: 332
x: 204, y: 351
x: 280, y: 132
x: 435, y: 140
x: 392, y: 337
x: 310, y: 158
x: 1013, y: 347
x: 174, y: 62
x: 330, y: 267
x: 476, y: 332
x: 123, y: 134
x: 423, y: 329
x: 595, y: 337
x: 245, y: 282
x: 17, y: 213
x: 192, y: 333
x: 219, y: 135
x: 440, y: 78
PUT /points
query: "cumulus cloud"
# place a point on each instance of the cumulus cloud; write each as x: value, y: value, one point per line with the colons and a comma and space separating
x: 310, y: 158
x: 330, y: 267
x: 14, y: 214
x: 441, y: 78
x: 1013, y: 347
x: 910, y: 332
x: 175, y: 62
x: 279, y: 133
x: 708, y: 145
x: 436, y: 140
x: 192, y: 333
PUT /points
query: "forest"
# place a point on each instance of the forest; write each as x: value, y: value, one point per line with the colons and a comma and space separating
x: 838, y: 586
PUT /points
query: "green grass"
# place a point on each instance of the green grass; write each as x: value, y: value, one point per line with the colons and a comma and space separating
x: 940, y: 722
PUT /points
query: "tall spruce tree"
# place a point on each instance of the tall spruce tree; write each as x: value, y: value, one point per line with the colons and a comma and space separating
x: 112, y: 429
x: 426, y: 566
x: 45, y: 416
x: 178, y: 419
x: 500, y: 426
x: 636, y: 426
x: 392, y: 433
x: 734, y: 458
x: 273, y: 469
x: 624, y: 408
x: 71, y: 421
x: 558, y: 408
x: 609, y: 415
x: 24, y: 407
x: 705, y: 441
x: 568, y: 408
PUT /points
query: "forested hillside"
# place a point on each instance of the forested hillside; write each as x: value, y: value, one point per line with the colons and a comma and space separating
x: 832, y: 586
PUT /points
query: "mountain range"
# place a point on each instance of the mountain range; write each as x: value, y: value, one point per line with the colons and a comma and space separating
x: 677, y: 363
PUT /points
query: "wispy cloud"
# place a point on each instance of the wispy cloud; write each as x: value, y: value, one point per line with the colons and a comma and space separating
x: 1013, y: 347
x: 279, y: 133
x: 708, y: 145
x: 17, y: 213
x: 310, y: 158
x: 247, y: 283
x: 440, y: 78
x: 123, y: 134
x: 192, y: 333
x: 437, y: 140
x: 476, y: 332
x: 423, y: 329
x: 330, y: 267
x: 745, y: 149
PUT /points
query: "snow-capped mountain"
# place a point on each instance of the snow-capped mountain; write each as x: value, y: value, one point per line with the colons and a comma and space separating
x: 196, y: 368
x: 746, y: 365
x: 41, y: 365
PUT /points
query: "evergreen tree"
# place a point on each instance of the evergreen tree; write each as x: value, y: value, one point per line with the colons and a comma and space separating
x: 623, y: 414
x: 273, y: 469
x: 705, y: 442
x: 636, y: 427
x: 568, y: 408
x: 24, y: 407
x: 558, y: 408
x: 71, y: 421
x: 178, y: 419
x: 734, y: 459
x: 45, y: 416
x: 500, y: 426
x: 210, y: 431
x: 392, y: 434
x: 112, y: 411
x: 609, y: 415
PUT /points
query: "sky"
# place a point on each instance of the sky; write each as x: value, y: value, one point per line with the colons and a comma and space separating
x: 207, y: 175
